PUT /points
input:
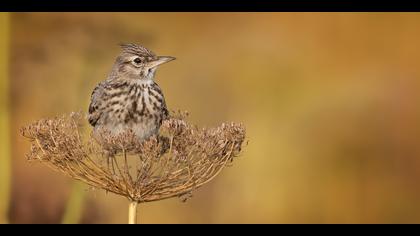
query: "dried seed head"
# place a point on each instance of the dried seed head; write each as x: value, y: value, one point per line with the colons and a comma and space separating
x: 174, y: 163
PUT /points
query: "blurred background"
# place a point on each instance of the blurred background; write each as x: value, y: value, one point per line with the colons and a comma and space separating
x: 331, y: 103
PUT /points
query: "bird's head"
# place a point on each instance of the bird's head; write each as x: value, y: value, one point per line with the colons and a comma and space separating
x: 137, y: 62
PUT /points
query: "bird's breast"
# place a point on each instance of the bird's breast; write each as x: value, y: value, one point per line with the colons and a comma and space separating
x: 140, y: 107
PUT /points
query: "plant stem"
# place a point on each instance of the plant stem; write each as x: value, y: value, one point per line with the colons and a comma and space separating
x: 5, y: 159
x: 74, y: 207
x: 132, y: 213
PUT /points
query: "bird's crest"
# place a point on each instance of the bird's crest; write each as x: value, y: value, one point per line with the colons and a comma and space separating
x: 136, y: 49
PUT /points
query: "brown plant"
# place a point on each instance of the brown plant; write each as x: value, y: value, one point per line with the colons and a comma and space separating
x: 179, y: 160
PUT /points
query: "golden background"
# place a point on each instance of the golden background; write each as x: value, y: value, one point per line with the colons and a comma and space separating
x: 330, y: 102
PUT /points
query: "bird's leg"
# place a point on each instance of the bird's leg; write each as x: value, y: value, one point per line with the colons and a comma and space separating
x: 109, y: 159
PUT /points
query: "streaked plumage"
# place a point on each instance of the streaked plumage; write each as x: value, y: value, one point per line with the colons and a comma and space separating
x: 129, y: 98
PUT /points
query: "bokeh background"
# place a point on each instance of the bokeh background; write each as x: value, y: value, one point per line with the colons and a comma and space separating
x: 331, y: 102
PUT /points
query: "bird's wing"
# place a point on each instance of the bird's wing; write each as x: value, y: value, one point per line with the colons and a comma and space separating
x: 164, y: 107
x: 95, y: 107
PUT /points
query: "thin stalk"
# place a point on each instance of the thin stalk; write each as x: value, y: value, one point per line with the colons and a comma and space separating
x: 74, y: 208
x: 5, y: 159
x: 132, y: 212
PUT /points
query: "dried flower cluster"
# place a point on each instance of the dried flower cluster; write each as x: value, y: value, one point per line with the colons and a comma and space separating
x: 174, y: 163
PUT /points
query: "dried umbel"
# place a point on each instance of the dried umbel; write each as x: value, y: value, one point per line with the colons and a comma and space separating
x: 174, y: 163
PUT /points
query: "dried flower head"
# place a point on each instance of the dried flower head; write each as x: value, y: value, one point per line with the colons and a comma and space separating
x: 174, y: 163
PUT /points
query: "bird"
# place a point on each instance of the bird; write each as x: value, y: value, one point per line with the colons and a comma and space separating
x: 129, y: 98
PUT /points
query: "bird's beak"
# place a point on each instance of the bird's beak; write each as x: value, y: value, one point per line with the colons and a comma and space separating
x: 161, y: 60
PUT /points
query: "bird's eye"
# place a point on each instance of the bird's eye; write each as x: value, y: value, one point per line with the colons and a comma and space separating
x: 137, y: 60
